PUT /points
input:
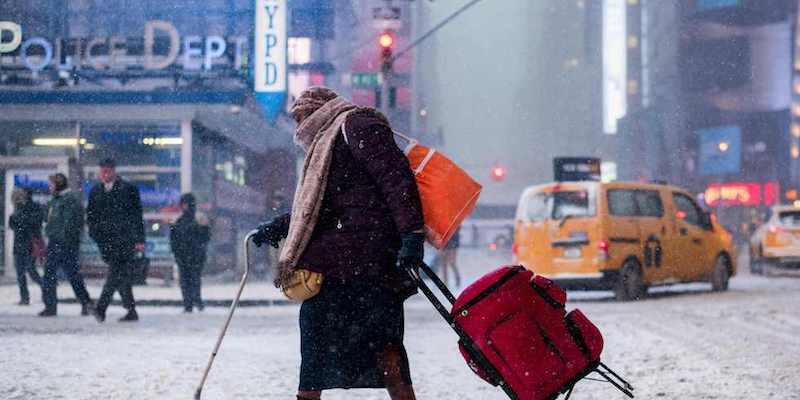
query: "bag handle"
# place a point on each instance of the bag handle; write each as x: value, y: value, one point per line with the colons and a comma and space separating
x: 407, y: 150
x: 411, y: 143
x: 404, y: 137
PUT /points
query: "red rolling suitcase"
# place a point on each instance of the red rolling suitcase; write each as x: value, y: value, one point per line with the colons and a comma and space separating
x: 515, y: 333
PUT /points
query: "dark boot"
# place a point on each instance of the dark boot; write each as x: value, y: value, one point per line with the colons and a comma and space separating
x: 99, y: 315
x: 131, y: 316
x: 47, y: 313
x: 87, y: 309
x: 25, y: 302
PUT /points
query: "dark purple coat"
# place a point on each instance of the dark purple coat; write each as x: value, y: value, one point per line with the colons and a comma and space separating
x: 370, y: 199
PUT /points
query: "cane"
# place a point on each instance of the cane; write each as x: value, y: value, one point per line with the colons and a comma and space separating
x: 235, y: 303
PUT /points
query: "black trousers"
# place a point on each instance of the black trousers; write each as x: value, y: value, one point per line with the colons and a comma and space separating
x: 190, y: 279
x: 120, y: 276
x: 25, y: 266
x: 66, y: 258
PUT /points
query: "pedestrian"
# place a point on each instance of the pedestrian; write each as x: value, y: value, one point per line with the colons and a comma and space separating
x: 188, y: 238
x: 356, y: 213
x: 63, y: 229
x: 449, y: 257
x: 116, y: 224
x: 26, y: 223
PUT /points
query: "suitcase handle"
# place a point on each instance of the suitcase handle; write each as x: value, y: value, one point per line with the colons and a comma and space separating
x: 436, y: 281
x: 464, y: 339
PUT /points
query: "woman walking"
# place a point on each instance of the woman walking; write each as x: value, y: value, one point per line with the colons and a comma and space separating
x: 26, y: 222
x: 356, y: 215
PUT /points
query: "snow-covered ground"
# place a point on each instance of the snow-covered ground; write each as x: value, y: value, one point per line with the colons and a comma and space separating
x: 682, y: 343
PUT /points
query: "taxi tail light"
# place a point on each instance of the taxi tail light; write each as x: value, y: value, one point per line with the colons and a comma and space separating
x: 515, y: 249
x: 775, y: 229
x: 602, y: 248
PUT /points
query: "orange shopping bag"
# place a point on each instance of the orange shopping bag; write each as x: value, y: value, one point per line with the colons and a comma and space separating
x: 448, y: 194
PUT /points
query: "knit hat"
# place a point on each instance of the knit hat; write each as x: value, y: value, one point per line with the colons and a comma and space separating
x: 311, y: 100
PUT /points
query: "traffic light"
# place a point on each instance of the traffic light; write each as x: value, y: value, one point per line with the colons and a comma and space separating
x: 386, y: 43
x: 498, y: 173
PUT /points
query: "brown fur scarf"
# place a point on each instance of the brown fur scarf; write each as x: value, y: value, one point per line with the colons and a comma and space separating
x: 316, y: 135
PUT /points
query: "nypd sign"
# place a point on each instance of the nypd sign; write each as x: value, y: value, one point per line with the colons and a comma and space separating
x: 270, y: 69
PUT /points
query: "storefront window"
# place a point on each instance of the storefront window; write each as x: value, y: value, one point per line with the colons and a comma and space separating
x: 38, y: 139
x: 156, y: 145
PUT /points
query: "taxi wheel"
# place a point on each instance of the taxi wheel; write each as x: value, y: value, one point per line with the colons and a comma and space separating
x: 766, y: 269
x: 720, y: 275
x: 630, y: 285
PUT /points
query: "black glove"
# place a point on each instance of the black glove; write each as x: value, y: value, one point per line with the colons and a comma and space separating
x: 272, y: 232
x: 412, y: 251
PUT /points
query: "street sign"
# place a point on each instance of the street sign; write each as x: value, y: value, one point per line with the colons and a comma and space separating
x: 574, y: 169
x: 386, y: 13
x: 365, y: 79
x: 384, y: 18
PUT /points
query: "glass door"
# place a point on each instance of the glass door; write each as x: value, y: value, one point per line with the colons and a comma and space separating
x: 35, y: 179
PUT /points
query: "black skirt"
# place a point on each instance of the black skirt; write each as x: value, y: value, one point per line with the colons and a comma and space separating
x: 343, y: 331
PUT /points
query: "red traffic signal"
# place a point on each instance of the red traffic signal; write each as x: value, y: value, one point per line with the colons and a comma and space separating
x: 498, y: 173
x: 386, y: 43
x: 386, y: 40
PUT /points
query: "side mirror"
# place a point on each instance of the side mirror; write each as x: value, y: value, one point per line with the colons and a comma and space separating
x: 706, y: 220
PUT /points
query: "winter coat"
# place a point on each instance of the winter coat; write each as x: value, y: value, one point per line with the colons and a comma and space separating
x: 371, y: 198
x: 189, y: 240
x: 115, y: 219
x: 26, y: 222
x: 65, y: 220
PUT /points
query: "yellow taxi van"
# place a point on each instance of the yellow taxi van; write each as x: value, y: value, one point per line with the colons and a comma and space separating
x: 623, y: 236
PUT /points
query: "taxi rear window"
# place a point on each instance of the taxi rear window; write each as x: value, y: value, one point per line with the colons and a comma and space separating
x: 557, y: 205
x: 791, y: 218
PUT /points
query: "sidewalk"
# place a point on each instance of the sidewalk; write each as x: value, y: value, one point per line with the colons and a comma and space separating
x: 473, y: 263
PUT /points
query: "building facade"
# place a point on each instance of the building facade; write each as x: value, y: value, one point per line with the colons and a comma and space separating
x: 509, y: 96
x: 709, y: 102
x: 165, y: 88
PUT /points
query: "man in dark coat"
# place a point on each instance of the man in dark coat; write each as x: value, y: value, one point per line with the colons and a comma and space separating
x: 64, y: 228
x: 116, y: 223
x: 369, y: 218
x: 26, y: 222
x: 188, y: 238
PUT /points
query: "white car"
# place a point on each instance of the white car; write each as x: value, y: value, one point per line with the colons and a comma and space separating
x: 776, y: 244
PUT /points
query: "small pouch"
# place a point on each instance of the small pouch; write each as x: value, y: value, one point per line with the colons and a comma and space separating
x: 303, y: 285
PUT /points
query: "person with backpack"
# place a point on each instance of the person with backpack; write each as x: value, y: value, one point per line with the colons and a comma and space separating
x: 188, y: 238
x: 26, y: 222
x: 356, y: 220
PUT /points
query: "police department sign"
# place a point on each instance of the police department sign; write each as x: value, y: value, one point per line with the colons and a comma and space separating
x: 270, y: 56
x: 191, y: 52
